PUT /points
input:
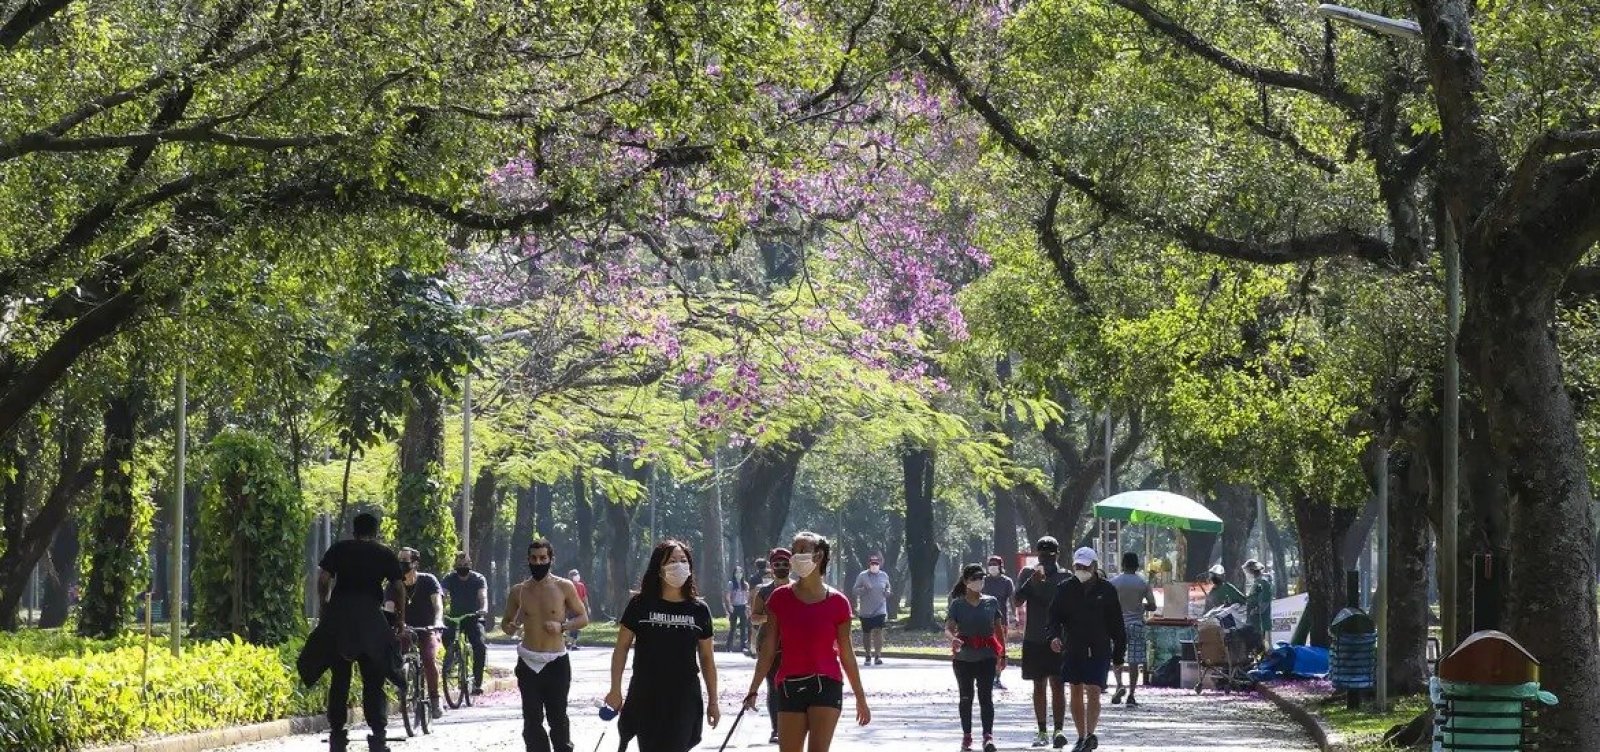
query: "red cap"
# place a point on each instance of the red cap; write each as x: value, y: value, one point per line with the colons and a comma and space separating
x: 874, y: 559
x: 778, y: 553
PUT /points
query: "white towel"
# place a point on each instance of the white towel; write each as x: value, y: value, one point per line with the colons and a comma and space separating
x: 537, y: 661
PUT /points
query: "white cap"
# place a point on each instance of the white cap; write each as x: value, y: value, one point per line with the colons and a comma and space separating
x: 1217, y: 570
x: 1084, y: 557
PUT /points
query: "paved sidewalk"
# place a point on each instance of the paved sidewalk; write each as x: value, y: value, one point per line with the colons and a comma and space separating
x: 914, y: 710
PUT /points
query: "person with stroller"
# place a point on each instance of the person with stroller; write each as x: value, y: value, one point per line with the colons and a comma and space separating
x: 1085, y: 627
x: 1222, y: 592
x: 1136, y: 599
x: 976, y: 624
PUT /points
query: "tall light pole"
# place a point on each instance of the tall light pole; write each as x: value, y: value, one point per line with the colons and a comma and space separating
x: 175, y: 574
x: 466, y: 462
x: 1449, y: 539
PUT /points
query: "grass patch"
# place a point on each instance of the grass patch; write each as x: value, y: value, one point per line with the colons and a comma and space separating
x: 1362, y: 730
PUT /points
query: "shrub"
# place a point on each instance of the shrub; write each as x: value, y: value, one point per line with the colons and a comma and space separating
x: 251, y: 534
x: 67, y: 695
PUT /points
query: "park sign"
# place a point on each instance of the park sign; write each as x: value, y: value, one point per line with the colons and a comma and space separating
x: 1161, y: 509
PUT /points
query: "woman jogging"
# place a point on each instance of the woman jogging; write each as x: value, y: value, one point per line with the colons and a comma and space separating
x: 975, y: 624
x: 811, y: 622
x: 670, y: 625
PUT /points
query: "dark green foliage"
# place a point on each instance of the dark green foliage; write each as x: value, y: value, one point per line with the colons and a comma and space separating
x: 251, y: 536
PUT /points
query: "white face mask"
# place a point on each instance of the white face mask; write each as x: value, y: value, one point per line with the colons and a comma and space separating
x: 1082, y: 575
x: 874, y: 568
x: 975, y: 586
x: 676, y: 574
x: 802, y: 565
x: 993, y: 570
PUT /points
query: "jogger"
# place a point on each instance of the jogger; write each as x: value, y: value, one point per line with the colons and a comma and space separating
x: 975, y: 624
x: 540, y: 605
x: 544, y: 698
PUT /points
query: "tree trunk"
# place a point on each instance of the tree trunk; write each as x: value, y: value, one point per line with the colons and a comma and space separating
x: 1280, y: 568
x: 619, y: 550
x: 60, y: 575
x: 712, y: 559
x: 1236, y: 505
x: 523, y: 527
x: 583, y: 511
x: 1004, y: 541
x: 108, y: 599
x: 544, y: 521
x: 424, y: 518
x: 922, y: 548
x: 1410, y: 542
x: 764, y: 488
x: 891, y: 558
x: 1200, y: 549
x: 1321, y: 527
x: 1512, y: 356
x: 485, y: 511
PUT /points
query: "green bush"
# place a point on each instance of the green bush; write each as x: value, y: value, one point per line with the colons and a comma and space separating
x: 251, y: 534
x: 74, y: 693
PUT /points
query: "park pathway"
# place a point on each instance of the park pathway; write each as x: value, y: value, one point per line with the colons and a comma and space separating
x: 914, y: 710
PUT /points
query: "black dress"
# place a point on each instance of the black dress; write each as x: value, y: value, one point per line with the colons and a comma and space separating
x: 664, y: 709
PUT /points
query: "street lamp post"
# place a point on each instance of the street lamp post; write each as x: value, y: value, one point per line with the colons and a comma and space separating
x: 1449, y: 543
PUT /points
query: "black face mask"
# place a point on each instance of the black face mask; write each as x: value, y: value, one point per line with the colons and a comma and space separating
x: 539, y: 571
x: 781, y: 573
x: 463, y: 571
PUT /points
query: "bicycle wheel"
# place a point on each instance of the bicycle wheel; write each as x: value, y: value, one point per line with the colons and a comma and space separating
x: 464, y: 676
x: 405, y: 705
x: 452, y: 693
x: 419, y: 706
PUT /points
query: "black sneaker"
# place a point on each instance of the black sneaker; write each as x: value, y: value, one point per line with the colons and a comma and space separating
x: 988, y: 743
x: 1061, y: 741
x: 1132, y: 703
x: 774, y: 739
x: 1092, y: 742
x: 1080, y: 746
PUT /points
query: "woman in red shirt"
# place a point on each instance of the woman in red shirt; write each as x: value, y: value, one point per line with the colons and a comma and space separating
x: 811, y: 622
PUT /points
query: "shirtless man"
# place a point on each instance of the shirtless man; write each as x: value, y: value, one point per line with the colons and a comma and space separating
x: 544, y: 672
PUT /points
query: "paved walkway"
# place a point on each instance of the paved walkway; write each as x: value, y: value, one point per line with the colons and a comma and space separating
x: 914, y: 710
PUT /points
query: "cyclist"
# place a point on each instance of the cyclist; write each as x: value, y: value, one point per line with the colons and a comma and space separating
x: 353, y: 628
x: 469, y: 595
x: 424, y: 609
x: 539, y: 606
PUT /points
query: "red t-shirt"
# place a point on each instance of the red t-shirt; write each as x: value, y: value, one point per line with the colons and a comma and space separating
x: 808, y: 632
x: 583, y: 590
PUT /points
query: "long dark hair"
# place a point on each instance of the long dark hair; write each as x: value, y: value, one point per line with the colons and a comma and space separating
x: 967, y: 572
x: 650, y: 585
x: 820, y: 546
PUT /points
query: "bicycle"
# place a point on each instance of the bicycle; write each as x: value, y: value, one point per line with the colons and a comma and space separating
x: 415, y: 704
x: 456, y: 677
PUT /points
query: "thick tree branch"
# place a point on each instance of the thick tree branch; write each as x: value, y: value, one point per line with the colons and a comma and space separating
x: 1330, y: 92
x: 27, y: 18
x: 1066, y: 268
x: 1551, y: 144
x: 192, y: 135
x: 1325, y: 244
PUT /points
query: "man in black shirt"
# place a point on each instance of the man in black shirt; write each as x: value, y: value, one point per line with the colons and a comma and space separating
x: 354, y: 627
x: 1036, y: 589
x: 424, y: 609
x: 1086, y: 629
x: 469, y: 594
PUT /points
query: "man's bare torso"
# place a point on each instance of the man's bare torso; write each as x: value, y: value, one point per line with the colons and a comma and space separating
x: 539, y: 602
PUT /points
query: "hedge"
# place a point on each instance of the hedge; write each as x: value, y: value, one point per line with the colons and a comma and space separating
x: 62, y: 693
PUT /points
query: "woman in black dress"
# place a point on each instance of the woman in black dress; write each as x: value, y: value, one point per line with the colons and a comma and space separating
x: 668, y: 626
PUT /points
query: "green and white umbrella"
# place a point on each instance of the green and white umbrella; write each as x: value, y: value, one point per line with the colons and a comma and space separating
x: 1159, y: 508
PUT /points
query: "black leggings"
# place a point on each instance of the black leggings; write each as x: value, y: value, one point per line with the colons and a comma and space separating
x: 976, y: 676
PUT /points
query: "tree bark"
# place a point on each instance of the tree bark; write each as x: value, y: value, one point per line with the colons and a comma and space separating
x: 524, y: 524
x: 922, y: 548
x: 619, y: 550
x: 544, y: 521
x: 1280, y: 582
x: 1410, y: 543
x: 108, y: 599
x: 55, y: 606
x: 485, y: 511
x: 712, y: 559
x: 1199, y: 550
x: 423, y: 513
x: 891, y: 558
x: 583, y: 511
x: 1321, y: 527
x: 764, y: 489
x: 1236, y: 505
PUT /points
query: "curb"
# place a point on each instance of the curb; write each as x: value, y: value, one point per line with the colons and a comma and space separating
x: 200, y: 741
x: 1326, y: 739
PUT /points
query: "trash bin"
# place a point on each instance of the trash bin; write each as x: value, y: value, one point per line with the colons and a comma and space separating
x: 1485, y: 695
x: 1353, y: 654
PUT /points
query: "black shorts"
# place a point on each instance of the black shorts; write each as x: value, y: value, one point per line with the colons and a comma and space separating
x: 1087, y: 671
x: 1039, y: 661
x: 797, y: 694
x: 873, y: 623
